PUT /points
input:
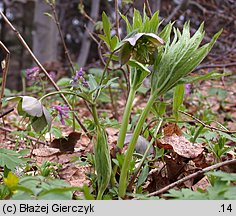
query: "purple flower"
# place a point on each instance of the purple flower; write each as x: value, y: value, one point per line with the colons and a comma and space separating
x: 63, y: 112
x: 78, y: 75
x: 53, y: 75
x: 85, y: 83
x: 31, y: 73
x: 187, y: 88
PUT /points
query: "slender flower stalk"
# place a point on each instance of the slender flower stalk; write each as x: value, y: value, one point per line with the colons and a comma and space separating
x: 125, y: 167
x: 125, y: 120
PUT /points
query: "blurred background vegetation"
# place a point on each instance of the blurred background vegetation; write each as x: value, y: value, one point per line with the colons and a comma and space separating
x: 80, y: 19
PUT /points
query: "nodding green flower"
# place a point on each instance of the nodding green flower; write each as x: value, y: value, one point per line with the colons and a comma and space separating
x: 142, y: 47
x: 63, y: 112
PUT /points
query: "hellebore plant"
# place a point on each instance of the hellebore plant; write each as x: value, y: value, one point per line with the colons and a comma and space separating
x: 177, y: 59
x: 146, y: 53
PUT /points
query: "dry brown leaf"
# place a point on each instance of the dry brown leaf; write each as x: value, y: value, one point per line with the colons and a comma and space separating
x: 45, y: 152
x: 67, y: 172
x: 112, y: 131
x: 174, y: 140
x: 171, y: 129
x: 66, y: 144
x: 202, y: 184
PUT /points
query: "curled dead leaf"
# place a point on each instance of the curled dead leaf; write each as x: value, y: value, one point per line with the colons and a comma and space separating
x: 173, y: 139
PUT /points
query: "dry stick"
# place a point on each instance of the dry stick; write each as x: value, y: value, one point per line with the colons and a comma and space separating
x: 61, y: 36
x: 232, y: 64
x: 207, y: 126
x: 4, y: 77
x: 4, y: 70
x: 117, y: 18
x: 148, y: 7
x: 7, y: 112
x: 181, y: 6
x: 200, y: 172
x: 28, y: 137
x: 86, y: 15
x: 64, y: 46
x: 42, y: 68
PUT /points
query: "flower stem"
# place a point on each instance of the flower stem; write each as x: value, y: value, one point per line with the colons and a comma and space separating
x: 125, y: 120
x: 63, y: 92
x: 131, y: 147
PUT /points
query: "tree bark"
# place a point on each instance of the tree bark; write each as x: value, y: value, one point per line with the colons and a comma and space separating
x: 45, y: 36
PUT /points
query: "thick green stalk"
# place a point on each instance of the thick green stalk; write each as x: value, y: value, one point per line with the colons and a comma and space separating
x: 131, y: 147
x: 125, y: 120
x: 95, y: 115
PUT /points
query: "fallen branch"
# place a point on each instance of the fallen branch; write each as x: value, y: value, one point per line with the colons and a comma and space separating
x: 7, y: 112
x: 186, y: 178
x: 206, y: 125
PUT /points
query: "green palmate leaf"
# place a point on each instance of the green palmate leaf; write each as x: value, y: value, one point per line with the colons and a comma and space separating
x: 10, y: 159
x: 142, y: 24
x: 179, y: 59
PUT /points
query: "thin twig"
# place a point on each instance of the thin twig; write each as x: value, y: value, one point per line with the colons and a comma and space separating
x: 7, y: 112
x: 64, y: 45
x: 62, y: 37
x: 181, y: 6
x: 42, y: 68
x: 148, y: 7
x: 4, y: 71
x: 28, y: 137
x: 117, y: 19
x: 186, y: 178
x: 84, y: 13
x: 206, y: 125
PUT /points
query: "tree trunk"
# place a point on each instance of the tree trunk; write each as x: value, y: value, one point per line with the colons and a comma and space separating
x: 86, y: 42
x: 45, y: 36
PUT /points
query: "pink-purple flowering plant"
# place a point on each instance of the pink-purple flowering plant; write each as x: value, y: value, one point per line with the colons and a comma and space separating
x: 187, y: 88
x: 79, y: 75
x: 63, y: 112
x: 31, y: 73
